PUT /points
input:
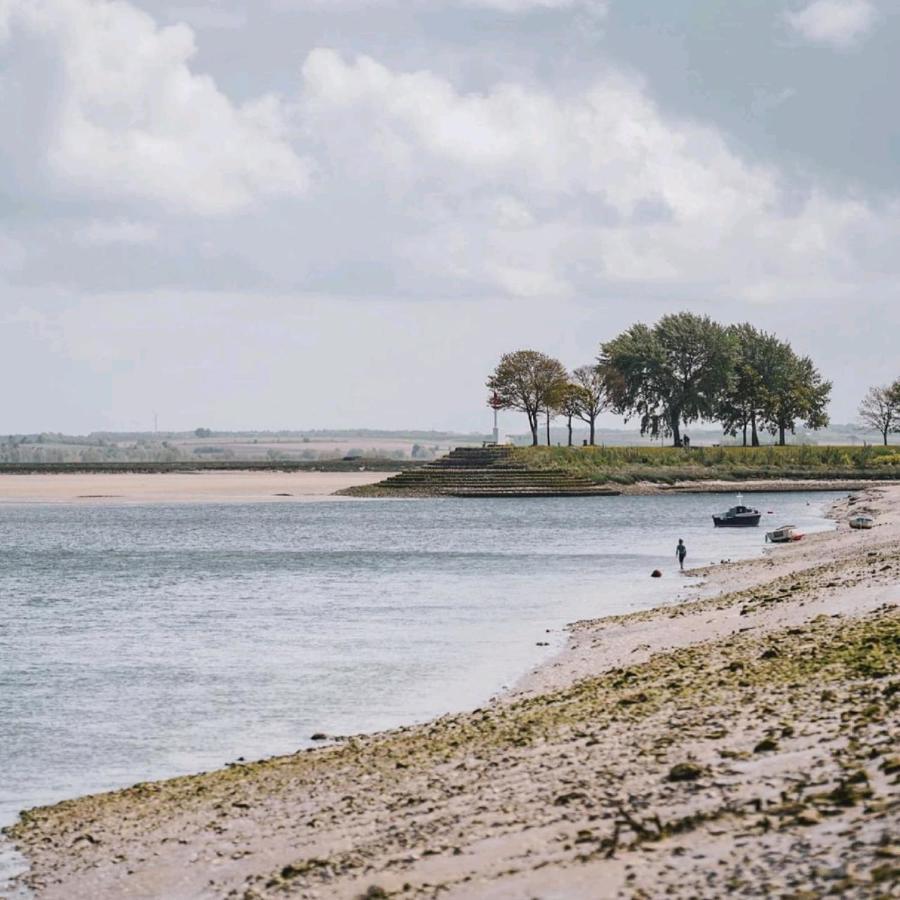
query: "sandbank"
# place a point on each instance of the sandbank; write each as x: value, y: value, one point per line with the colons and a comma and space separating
x: 180, y: 487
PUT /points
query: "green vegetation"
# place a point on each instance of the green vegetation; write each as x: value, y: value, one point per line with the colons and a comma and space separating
x: 683, y: 369
x: 667, y: 465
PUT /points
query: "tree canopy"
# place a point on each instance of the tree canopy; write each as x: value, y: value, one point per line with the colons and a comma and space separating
x: 671, y: 374
x: 880, y: 409
x: 683, y: 369
x: 795, y: 390
x: 528, y: 381
x: 590, y: 396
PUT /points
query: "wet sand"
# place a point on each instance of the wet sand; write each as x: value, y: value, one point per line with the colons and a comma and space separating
x: 743, y: 743
x: 177, y: 487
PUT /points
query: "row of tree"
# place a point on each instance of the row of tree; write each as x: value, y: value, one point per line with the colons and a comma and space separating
x: 683, y: 369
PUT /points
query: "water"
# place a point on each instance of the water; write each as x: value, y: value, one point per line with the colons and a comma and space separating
x: 138, y: 642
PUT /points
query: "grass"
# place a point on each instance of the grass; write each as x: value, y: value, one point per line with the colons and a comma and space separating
x: 667, y: 465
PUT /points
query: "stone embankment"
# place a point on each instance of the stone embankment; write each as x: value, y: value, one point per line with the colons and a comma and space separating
x: 482, y: 472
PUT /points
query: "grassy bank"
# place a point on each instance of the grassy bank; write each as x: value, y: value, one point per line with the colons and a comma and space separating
x: 668, y: 465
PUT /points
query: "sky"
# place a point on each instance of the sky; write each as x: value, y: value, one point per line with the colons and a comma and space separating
x: 266, y: 214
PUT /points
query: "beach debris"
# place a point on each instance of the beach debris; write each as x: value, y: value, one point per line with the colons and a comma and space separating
x: 684, y: 771
x: 319, y: 736
x: 656, y: 574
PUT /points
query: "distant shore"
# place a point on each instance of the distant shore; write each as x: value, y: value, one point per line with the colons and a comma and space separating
x: 742, y: 741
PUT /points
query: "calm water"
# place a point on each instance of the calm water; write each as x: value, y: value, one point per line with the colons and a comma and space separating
x: 142, y: 642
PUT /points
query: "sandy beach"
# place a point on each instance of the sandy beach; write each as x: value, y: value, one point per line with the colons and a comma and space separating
x: 743, y: 743
x: 178, y: 487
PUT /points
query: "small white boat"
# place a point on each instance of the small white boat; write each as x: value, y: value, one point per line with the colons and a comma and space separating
x: 784, y: 535
x: 862, y: 521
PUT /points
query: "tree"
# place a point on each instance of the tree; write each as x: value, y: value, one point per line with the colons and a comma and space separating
x: 743, y: 403
x: 590, y: 396
x: 673, y: 373
x: 569, y: 404
x: 880, y: 409
x: 529, y: 382
x: 794, y: 390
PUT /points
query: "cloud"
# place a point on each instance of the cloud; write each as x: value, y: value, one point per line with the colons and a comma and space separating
x: 834, y: 23
x: 526, y: 191
x: 505, y: 6
x: 127, y: 118
x: 369, y: 180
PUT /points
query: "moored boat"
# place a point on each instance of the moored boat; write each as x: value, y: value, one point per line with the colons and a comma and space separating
x: 738, y: 516
x: 784, y: 535
x: 862, y: 521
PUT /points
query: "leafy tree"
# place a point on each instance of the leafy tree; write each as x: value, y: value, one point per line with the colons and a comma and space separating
x: 880, y: 409
x: 673, y: 373
x: 569, y: 405
x: 794, y: 390
x: 590, y: 396
x: 755, y: 359
x: 528, y: 381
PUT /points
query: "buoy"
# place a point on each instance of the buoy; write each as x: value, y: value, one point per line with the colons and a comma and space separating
x: 656, y: 574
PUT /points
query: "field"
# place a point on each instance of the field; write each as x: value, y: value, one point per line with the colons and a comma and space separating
x: 668, y: 465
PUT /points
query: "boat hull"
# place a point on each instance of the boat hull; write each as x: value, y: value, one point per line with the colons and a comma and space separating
x: 742, y: 522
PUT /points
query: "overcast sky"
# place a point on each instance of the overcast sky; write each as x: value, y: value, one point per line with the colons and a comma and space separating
x: 338, y: 213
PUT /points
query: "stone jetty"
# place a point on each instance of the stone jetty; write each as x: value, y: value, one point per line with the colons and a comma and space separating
x: 492, y: 471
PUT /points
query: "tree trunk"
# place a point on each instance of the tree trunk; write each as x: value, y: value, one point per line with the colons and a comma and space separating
x: 676, y: 431
x: 781, y: 434
x: 754, y: 436
x: 745, y: 434
x: 593, y: 420
x: 548, y: 427
x: 570, y: 430
x: 533, y: 425
x: 884, y: 435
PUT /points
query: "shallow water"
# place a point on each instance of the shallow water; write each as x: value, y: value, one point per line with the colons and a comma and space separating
x: 138, y: 642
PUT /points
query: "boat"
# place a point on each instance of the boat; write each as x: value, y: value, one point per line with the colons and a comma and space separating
x: 862, y: 521
x: 738, y: 516
x: 784, y: 535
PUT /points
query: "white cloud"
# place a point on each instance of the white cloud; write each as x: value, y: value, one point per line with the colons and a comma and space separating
x: 132, y: 120
x: 834, y: 23
x: 528, y: 192
x: 506, y: 6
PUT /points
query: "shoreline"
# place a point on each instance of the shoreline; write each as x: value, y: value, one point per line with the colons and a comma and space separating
x: 653, y: 489
x: 324, y: 822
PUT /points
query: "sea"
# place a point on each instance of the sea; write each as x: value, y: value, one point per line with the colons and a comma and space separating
x: 139, y: 642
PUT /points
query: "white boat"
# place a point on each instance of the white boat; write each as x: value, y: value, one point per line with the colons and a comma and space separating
x: 862, y: 521
x: 784, y: 535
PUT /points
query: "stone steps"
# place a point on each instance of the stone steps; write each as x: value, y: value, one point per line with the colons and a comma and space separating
x: 489, y: 472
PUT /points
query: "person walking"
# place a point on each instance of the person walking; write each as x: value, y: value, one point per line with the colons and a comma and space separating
x: 680, y: 553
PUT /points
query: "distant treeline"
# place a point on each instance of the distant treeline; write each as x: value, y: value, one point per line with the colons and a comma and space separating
x: 685, y: 368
